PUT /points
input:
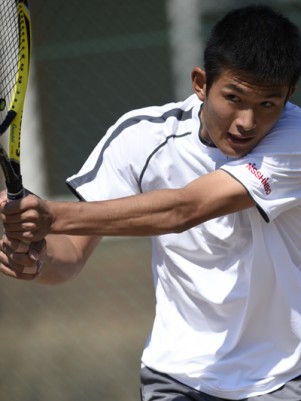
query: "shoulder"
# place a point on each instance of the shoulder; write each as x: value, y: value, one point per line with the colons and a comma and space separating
x: 285, y: 136
x: 289, y: 123
x: 159, y: 114
x: 290, y: 118
x: 151, y: 125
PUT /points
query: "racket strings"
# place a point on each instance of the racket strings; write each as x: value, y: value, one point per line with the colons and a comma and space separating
x: 11, y: 57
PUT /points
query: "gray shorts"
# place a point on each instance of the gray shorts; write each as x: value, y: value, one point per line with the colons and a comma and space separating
x: 156, y: 386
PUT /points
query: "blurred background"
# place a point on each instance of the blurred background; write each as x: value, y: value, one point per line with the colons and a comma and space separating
x: 93, y: 61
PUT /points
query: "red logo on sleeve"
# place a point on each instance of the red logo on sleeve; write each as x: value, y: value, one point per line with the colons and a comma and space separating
x: 258, y: 174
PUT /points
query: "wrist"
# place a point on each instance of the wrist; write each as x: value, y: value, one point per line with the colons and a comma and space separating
x: 50, y: 216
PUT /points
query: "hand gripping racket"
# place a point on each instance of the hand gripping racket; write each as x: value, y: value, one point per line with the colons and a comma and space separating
x: 15, y: 44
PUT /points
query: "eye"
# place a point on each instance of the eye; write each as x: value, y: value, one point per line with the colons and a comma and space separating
x: 232, y: 98
x: 267, y: 104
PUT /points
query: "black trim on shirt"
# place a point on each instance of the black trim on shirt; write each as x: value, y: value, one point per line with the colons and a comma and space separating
x: 263, y: 214
x: 178, y: 113
x: 153, y: 154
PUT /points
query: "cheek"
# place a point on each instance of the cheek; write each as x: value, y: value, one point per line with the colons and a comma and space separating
x: 220, y: 109
x: 219, y: 118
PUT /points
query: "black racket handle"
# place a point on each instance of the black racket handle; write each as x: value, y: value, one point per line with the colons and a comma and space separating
x: 13, y: 178
x: 15, y: 190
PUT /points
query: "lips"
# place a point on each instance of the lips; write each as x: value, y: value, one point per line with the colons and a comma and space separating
x: 239, y: 139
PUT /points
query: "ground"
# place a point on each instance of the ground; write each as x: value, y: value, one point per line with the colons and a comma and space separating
x: 81, y: 340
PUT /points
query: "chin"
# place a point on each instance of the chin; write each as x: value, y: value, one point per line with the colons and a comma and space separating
x: 235, y: 155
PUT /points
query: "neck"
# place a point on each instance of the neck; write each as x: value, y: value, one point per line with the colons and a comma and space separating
x: 204, y: 141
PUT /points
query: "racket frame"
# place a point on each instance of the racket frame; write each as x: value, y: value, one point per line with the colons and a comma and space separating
x: 10, y: 162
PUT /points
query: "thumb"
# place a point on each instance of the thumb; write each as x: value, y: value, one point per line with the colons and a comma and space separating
x: 34, y: 255
x: 37, y: 250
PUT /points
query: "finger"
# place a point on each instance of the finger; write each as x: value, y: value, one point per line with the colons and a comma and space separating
x: 3, y: 197
x: 23, y: 230
x: 32, y: 270
x: 36, y: 253
x: 7, y: 271
x: 20, y: 221
x: 37, y: 249
x: 17, y: 261
x: 13, y: 270
x: 31, y: 267
x: 26, y: 204
x: 11, y: 207
x: 20, y: 233
x: 28, y: 216
x: 15, y: 254
x: 19, y: 266
x: 15, y: 245
x: 22, y: 247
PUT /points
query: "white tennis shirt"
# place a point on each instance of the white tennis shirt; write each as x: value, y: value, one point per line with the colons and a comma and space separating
x: 228, y: 292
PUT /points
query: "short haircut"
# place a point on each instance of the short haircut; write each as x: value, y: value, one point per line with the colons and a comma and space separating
x: 255, y: 40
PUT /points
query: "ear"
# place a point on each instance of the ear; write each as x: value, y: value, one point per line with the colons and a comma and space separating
x: 198, y: 77
x: 291, y: 91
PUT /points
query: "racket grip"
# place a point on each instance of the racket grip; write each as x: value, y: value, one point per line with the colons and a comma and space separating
x: 15, y: 189
x: 13, y: 178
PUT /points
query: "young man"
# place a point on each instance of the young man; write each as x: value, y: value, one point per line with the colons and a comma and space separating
x: 216, y: 181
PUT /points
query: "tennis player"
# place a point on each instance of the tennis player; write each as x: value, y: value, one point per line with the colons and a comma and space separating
x: 216, y: 181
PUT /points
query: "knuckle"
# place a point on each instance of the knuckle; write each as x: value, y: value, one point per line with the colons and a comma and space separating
x: 33, y: 201
x: 28, y: 226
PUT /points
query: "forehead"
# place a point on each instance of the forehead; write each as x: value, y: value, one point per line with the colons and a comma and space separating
x: 244, y: 83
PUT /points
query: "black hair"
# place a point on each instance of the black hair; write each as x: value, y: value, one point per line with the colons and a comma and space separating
x: 255, y: 40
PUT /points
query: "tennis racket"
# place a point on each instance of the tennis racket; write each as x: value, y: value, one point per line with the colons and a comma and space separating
x: 15, y: 44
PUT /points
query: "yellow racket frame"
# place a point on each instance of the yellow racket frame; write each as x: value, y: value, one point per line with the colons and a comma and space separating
x: 18, y: 98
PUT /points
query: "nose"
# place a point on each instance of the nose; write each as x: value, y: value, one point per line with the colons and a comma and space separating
x: 246, y: 120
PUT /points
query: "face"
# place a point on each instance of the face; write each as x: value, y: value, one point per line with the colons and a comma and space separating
x: 238, y: 113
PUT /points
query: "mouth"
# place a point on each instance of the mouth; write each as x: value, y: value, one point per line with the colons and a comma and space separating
x: 239, y: 140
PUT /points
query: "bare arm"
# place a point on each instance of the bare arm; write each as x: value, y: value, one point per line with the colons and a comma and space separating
x: 153, y: 213
x: 52, y: 261
x: 65, y: 257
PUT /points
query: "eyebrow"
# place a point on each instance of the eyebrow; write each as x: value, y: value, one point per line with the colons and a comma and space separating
x: 243, y: 92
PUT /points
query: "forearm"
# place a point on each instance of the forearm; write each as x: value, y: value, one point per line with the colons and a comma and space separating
x: 154, y: 213
x: 64, y: 258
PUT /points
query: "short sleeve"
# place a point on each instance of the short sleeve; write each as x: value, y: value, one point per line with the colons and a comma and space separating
x: 108, y: 173
x: 272, y: 173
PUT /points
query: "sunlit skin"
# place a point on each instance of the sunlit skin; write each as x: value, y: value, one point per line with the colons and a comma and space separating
x: 237, y: 112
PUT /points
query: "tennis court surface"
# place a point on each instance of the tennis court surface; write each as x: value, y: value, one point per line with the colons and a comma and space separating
x: 81, y: 340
